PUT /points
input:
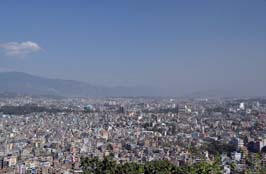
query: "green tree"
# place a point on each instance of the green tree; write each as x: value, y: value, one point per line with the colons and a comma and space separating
x: 91, y: 165
x: 108, y: 166
x: 130, y: 168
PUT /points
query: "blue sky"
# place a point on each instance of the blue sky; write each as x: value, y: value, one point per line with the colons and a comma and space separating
x: 181, y: 46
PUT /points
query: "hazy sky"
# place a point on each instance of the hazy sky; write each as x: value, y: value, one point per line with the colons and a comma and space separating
x: 179, y: 45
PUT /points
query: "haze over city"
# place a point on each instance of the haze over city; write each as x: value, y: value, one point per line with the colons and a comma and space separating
x: 133, y: 87
x: 180, y: 47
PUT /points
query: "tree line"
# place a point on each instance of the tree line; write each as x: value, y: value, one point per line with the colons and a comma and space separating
x: 94, y: 165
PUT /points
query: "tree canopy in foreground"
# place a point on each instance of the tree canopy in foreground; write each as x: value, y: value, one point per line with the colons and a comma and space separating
x: 93, y: 165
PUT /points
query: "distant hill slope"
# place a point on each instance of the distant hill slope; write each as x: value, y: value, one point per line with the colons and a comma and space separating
x: 22, y: 83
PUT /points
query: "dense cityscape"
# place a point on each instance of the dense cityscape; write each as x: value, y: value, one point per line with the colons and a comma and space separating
x: 55, y: 135
x: 132, y: 87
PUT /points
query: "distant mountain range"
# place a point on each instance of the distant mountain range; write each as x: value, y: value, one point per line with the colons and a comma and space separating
x: 23, y: 83
x: 19, y: 83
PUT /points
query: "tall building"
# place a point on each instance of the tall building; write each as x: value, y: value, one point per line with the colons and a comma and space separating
x: 242, y: 106
x: 122, y: 110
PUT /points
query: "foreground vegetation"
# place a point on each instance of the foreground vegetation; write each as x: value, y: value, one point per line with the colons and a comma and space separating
x: 94, y: 165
